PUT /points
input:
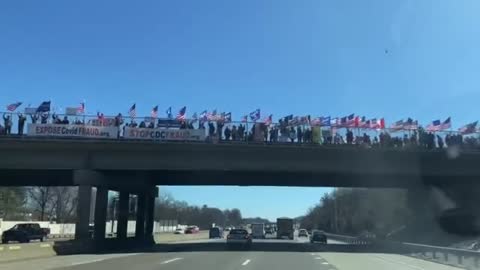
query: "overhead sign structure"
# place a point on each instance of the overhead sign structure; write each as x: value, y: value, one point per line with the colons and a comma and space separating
x: 77, y: 131
x: 164, y: 134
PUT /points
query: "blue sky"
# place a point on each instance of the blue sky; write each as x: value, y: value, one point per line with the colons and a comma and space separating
x: 285, y: 57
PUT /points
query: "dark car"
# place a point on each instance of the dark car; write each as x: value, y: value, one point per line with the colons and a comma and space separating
x: 25, y: 232
x: 191, y: 230
x: 215, y: 232
x: 239, y: 238
x: 318, y: 237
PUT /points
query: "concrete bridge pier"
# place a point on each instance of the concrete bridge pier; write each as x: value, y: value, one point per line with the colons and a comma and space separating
x: 86, y: 180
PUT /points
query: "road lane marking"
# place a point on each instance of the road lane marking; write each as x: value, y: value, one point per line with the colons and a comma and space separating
x: 397, y: 262
x: 245, y: 262
x: 318, y: 258
x: 171, y: 260
x: 14, y: 247
x: 324, y: 263
x: 44, y: 245
x: 89, y: 261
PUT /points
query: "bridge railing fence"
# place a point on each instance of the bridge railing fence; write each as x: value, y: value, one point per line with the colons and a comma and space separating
x: 463, y: 258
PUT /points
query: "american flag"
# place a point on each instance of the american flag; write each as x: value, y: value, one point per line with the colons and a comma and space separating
x: 154, y: 112
x: 81, y: 108
x: 182, y: 113
x: 133, y: 112
x: 350, y: 120
x: 438, y: 126
x: 212, y: 116
x: 268, y: 120
x: 12, y: 107
x: 447, y: 124
x: 410, y: 124
x: 317, y: 121
x: 468, y: 129
x: 397, y: 125
x: 377, y: 123
x: 244, y: 118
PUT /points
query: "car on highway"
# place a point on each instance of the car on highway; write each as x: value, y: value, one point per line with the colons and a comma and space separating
x: 192, y: 229
x: 215, y: 232
x: 179, y: 231
x: 24, y: 232
x: 318, y: 237
x: 269, y: 230
x: 239, y: 238
x: 302, y: 233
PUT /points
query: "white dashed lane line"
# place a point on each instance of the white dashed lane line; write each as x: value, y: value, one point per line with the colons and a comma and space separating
x: 245, y: 262
x: 89, y: 261
x: 171, y: 260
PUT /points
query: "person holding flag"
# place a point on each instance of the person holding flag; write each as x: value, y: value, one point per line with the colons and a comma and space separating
x: 7, y: 124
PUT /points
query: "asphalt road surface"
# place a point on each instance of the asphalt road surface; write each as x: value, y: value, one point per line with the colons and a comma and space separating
x: 237, y: 260
x: 230, y: 260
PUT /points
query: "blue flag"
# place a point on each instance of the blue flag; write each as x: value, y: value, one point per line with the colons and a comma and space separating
x: 44, y: 107
x: 325, y: 121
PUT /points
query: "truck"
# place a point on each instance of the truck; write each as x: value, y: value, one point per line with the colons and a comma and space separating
x: 24, y: 232
x: 285, y: 228
x: 258, y: 230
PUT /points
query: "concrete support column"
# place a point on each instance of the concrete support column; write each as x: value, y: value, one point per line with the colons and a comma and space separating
x: 150, y: 208
x: 83, y: 212
x: 101, y: 203
x: 122, y: 224
x: 140, y: 223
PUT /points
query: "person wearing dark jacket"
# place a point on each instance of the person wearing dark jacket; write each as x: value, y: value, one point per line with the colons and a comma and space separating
x: 21, y: 123
x: 44, y: 118
x: 7, y: 123
x: 34, y: 118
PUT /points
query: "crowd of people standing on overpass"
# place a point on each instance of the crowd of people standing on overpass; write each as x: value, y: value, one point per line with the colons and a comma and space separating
x: 281, y: 132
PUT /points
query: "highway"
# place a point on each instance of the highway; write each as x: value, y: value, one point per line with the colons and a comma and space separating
x: 230, y: 259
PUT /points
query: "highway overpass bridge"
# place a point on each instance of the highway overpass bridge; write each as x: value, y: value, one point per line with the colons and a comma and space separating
x: 137, y: 167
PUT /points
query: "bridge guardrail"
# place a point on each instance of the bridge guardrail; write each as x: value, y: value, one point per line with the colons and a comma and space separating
x: 349, y: 239
x: 446, y: 255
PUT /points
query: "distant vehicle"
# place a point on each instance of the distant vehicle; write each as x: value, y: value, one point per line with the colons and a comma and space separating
x: 25, y: 232
x: 285, y: 228
x: 215, y: 232
x: 239, y: 237
x: 318, y: 237
x: 258, y: 230
x: 227, y: 229
x: 192, y: 229
x: 269, y: 230
x: 302, y: 233
x: 179, y: 231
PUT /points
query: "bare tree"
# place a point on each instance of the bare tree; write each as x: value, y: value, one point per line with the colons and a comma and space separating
x: 41, y: 199
x: 64, y: 203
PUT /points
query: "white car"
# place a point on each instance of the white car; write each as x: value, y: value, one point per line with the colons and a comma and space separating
x: 179, y: 231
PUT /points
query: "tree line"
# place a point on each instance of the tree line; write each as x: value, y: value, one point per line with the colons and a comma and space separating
x: 57, y: 204
x: 167, y: 207
x: 354, y: 211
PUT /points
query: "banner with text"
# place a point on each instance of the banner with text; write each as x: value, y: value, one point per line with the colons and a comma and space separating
x: 77, y: 131
x: 164, y: 134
